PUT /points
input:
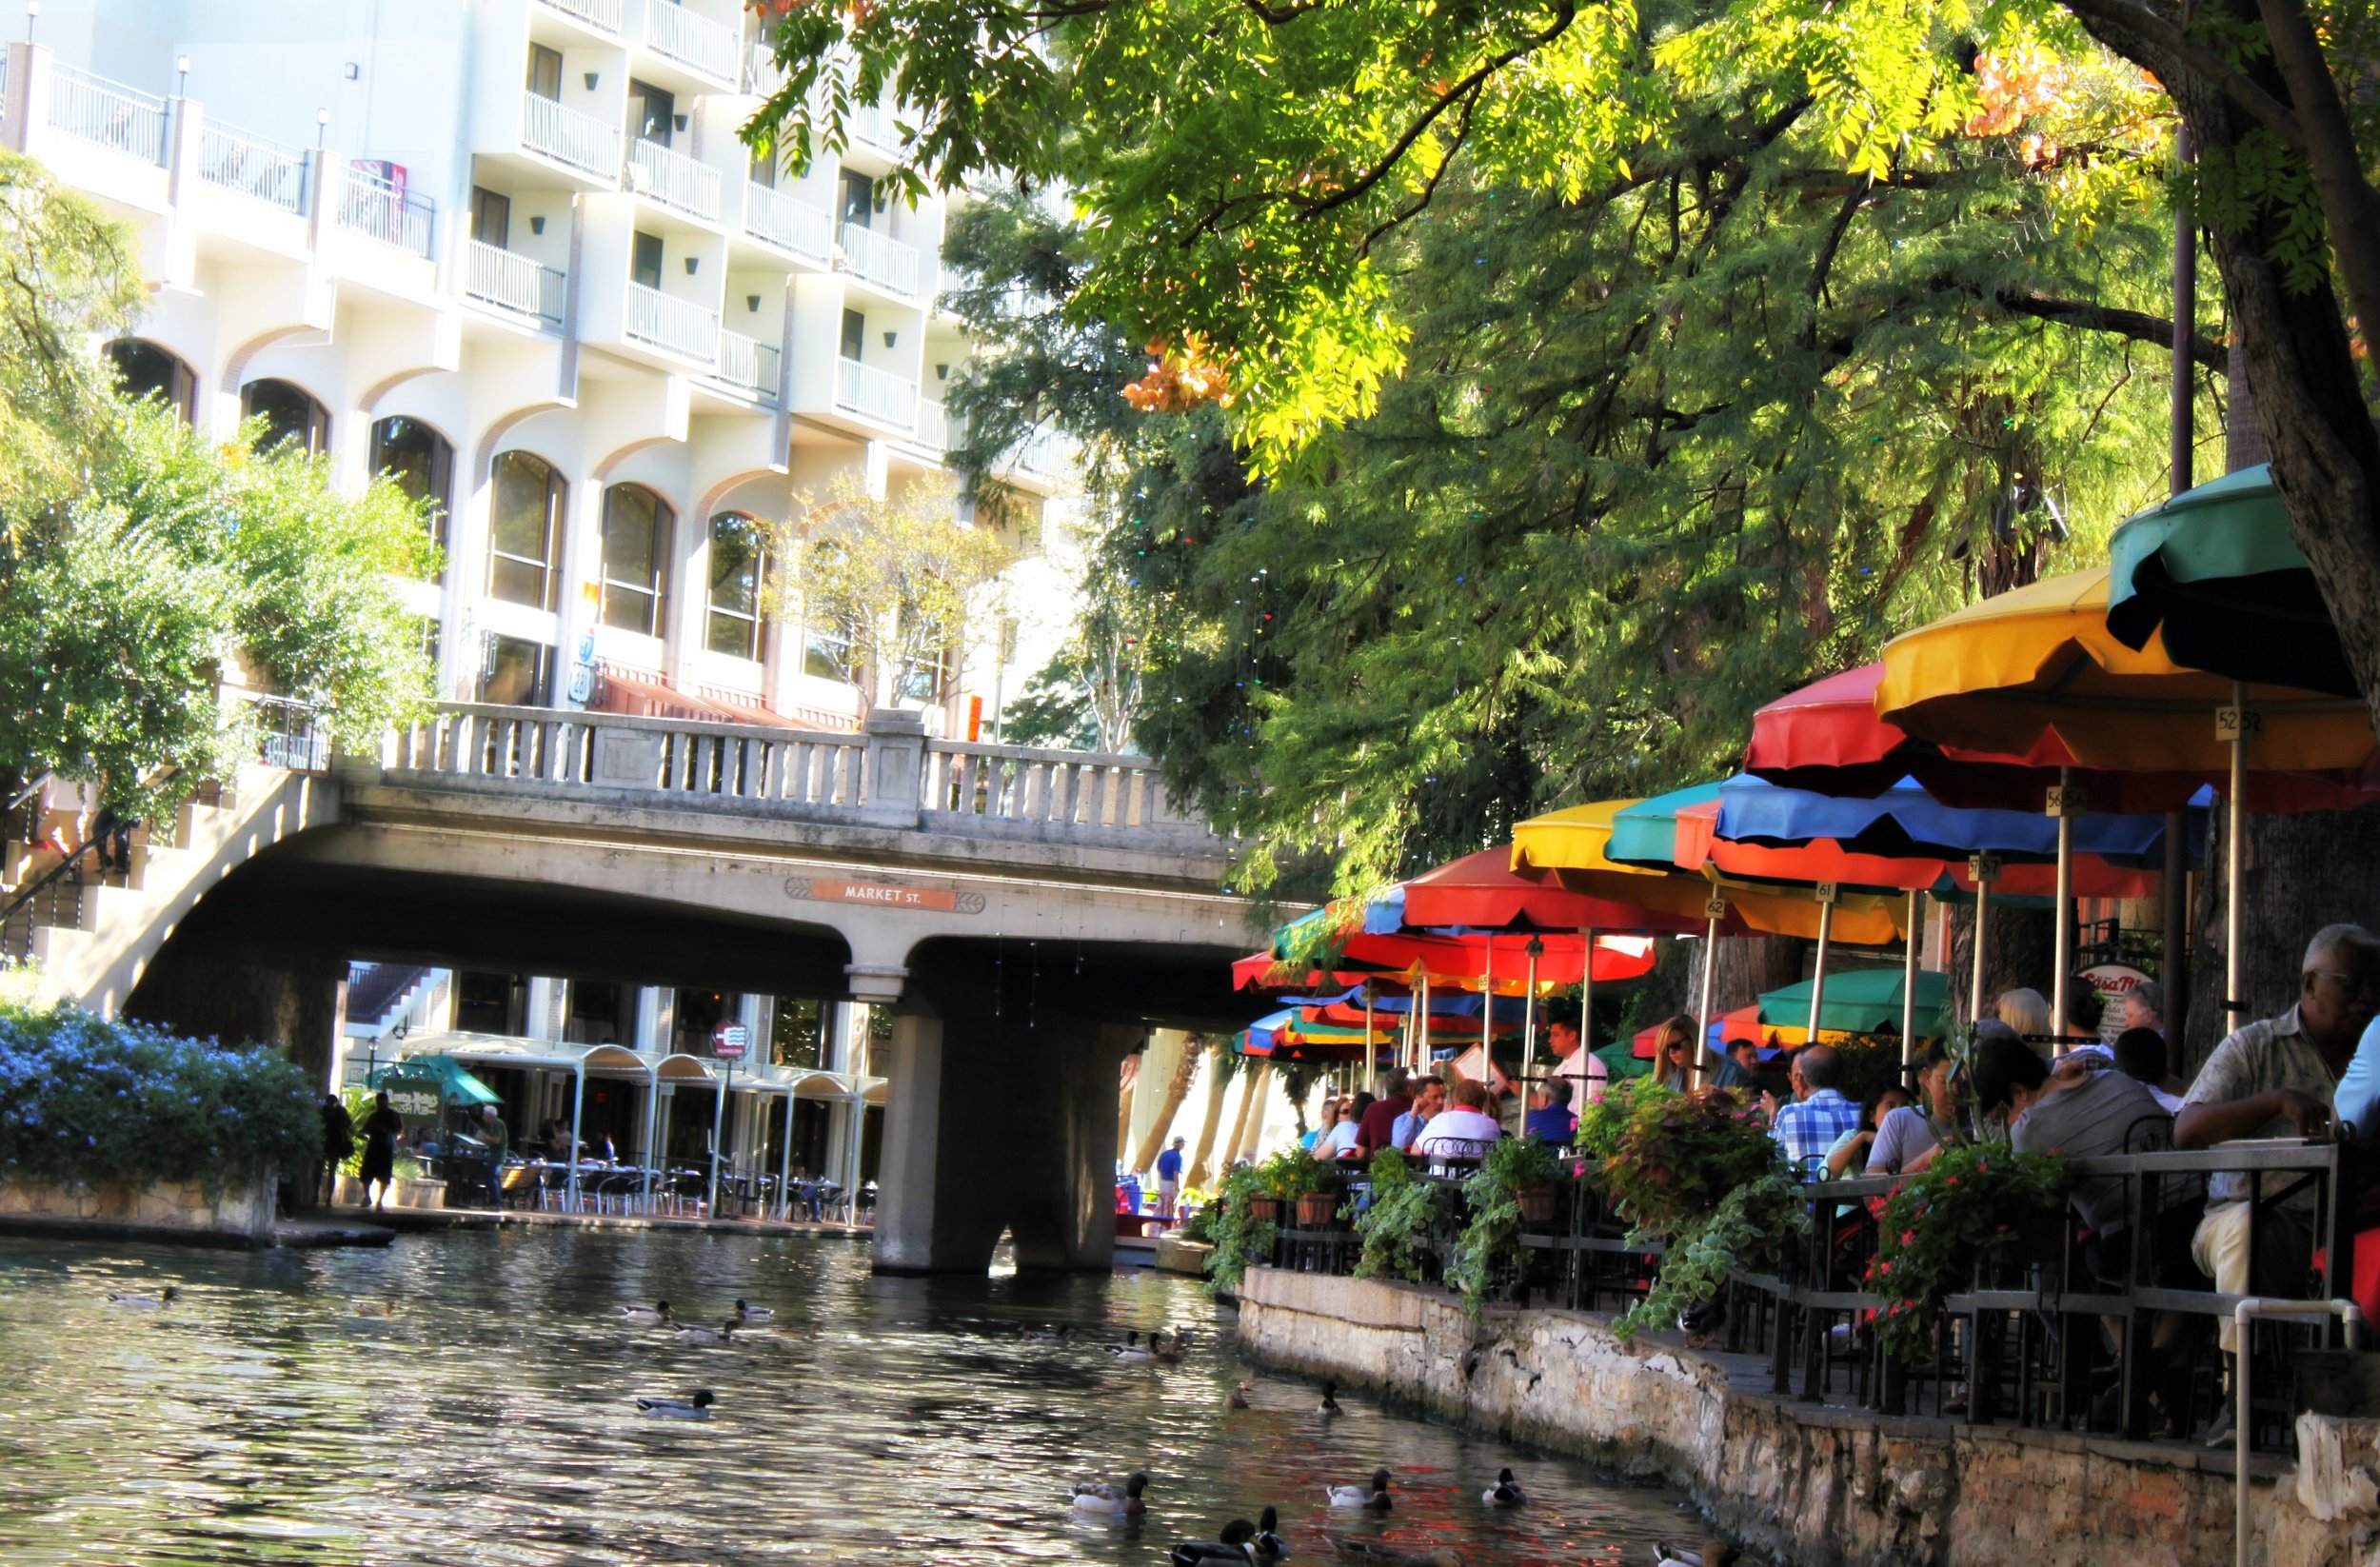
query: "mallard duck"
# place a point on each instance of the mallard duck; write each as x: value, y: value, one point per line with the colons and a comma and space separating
x: 1329, y: 1405
x: 1116, y: 1501
x: 1377, y: 1555
x: 1230, y: 1551
x: 1267, y: 1544
x: 1374, y: 1496
x: 746, y: 1313
x: 370, y: 1308
x: 1504, y: 1493
x: 1168, y: 1350
x: 690, y: 1332
x: 1132, y: 1351
x: 695, y: 1407
x: 1058, y: 1334
x: 657, y: 1312
x: 1238, y: 1398
x: 134, y: 1301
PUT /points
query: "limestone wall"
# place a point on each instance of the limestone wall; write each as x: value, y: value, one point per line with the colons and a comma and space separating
x: 1811, y: 1486
x: 241, y: 1214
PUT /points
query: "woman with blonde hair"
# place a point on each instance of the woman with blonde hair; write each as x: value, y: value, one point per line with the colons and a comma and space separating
x: 2026, y: 1011
x: 1673, y: 1052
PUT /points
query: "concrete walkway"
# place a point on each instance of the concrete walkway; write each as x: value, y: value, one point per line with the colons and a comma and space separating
x: 489, y: 1218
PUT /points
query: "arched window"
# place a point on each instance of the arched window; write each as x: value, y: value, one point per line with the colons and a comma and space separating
x: 636, y: 545
x: 524, y: 522
x: 419, y: 461
x: 736, y: 560
x: 289, y: 413
x: 144, y: 370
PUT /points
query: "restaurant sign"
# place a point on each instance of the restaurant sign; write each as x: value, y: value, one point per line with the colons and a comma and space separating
x: 885, y: 895
x: 411, y: 1097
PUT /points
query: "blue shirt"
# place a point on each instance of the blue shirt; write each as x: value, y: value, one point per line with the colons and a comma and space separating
x: 1169, y: 1165
x: 2358, y: 1095
x: 1808, y: 1128
x: 1553, y: 1126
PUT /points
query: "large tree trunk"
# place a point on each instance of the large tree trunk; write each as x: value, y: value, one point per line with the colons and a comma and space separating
x: 1177, y: 1089
x: 1131, y: 1083
x: 1217, y: 1088
x: 1259, y: 1081
x: 2021, y: 952
x: 1747, y: 966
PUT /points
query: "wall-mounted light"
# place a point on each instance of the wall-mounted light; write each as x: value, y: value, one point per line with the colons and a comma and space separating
x: 941, y: 372
x: 681, y: 123
x: 181, y: 86
x: 692, y: 263
x: 355, y: 73
x: 752, y: 303
x: 322, y: 127
x: 537, y: 224
x: 890, y: 338
x: 591, y: 78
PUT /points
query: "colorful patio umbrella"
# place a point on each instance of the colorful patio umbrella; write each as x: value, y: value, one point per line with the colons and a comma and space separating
x: 2040, y: 661
x: 1860, y: 1002
x: 2217, y: 571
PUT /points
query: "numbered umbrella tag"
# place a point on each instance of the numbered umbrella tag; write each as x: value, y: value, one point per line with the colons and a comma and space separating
x: 2240, y: 723
x: 2068, y: 800
x: 1984, y: 868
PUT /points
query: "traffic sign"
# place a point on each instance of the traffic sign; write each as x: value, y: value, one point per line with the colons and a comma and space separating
x: 730, y: 1040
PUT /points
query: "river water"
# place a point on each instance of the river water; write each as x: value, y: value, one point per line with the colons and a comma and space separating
x: 266, y: 1416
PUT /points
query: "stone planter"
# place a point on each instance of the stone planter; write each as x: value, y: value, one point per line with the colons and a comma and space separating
x: 420, y: 1194
x: 1536, y: 1202
x: 242, y: 1212
x: 1317, y: 1210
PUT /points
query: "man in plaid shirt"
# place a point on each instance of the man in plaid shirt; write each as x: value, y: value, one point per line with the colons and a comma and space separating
x: 1820, y: 1114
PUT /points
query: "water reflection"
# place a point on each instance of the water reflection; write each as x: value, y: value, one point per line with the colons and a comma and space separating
x: 273, y: 1414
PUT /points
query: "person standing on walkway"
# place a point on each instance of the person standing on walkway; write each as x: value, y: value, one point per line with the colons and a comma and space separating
x: 381, y: 1130
x: 498, y: 1137
x: 338, y: 1144
x: 1169, y: 1179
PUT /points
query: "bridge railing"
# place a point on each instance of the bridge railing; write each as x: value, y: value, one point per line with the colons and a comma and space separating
x: 890, y: 775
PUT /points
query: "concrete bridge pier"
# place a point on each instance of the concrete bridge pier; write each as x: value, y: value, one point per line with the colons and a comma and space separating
x: 1001, y: 1116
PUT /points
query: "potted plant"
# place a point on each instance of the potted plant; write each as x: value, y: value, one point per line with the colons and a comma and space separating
x: 1399, y: 1228
x: 1490, y: 1244
x: 1977, y: 1205
x: 1287, y: 1177
x: 1240, y: 1235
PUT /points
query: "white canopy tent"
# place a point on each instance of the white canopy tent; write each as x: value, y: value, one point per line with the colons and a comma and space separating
x: 578, y: 1060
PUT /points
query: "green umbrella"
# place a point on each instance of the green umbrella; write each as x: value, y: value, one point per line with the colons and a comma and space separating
x: 1860, y: 1002
x: 2217, y: 571
x: 1622, y: 1060
x: 1646, y: 832
x: 453, y: 1080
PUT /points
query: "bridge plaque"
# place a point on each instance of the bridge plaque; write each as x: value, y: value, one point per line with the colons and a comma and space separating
x: 885, y: 895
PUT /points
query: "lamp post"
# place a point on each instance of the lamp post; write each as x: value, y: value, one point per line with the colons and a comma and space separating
x: 32, y: 14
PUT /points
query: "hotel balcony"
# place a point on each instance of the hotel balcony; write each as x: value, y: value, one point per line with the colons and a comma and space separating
x: 788, y: 225
x: 380, y: 209
x: 895, y: 268
x: 876, y: 395
x: 686, y: 187
x: 514, y: 284
x: 257, y: 166
x: 575, y: 141
x: 934, y: 426
x: 672, y: 324
x: 602, y: 15
x: 708, y: 48
x: 750, y: 365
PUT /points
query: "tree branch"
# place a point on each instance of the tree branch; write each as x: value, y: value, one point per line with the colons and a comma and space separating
x: 2128, y: 16
x: 2350, y: 206
x: 2138, y: 325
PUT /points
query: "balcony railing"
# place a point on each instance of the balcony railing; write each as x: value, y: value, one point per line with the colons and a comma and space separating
x: 374, y: 206
x: 748, y: 363
x: 579, y: 141
x: 690, y: 39
x: 513, y: 282
x: 871, y: 126
x: 674, y: 324
x: 875, y: 395
x: 886, y: 263
x: 92, y: 108
x: 761, y: 77
x: 933, y: 425
x: 602, y: 13
x: 253, y: 166
x: 788, y: 224
x: 674, y: 180
x: 1043, y: 452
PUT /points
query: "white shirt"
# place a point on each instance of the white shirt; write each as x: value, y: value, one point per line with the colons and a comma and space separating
x: 1342, y: 1138
x: 1458, y: 1126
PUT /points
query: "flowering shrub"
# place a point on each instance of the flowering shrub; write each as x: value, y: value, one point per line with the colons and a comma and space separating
x: 1402, y: 1222
x: 85, y: 1102
x: 1681, y: 1153
x: 1967, y: 1207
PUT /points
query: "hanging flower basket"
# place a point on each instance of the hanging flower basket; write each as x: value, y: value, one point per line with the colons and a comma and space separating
x: 1537, y: 1201
x: 1265, y: 1210
x: 1317, y: 1210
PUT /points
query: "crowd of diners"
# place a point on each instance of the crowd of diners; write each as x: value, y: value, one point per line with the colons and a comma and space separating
x: 2311, y: 1072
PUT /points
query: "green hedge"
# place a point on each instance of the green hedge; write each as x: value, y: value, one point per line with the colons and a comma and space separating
x: 85, y: 1102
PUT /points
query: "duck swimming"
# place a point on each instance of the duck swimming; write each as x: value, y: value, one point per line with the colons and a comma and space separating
x: 698, y: 1407
x: 1504, y: 1493
x: 657, y: 1312
x: 1114, y: 1500
x: 753, y: 1314
x: 1374, y: 1496
x: 1132, y: 1352
x: 1238, y: 1398
x: 689, y: 1332
x: 1329, y: 1405
x: 134, y: 1301
x: 1230, y: 1551
x: 1267, y: 1544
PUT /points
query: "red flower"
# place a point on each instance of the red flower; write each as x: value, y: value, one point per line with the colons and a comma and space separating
x: 1953, y: 1181
x: 1909, y: 1238
x: 1883, y: 1268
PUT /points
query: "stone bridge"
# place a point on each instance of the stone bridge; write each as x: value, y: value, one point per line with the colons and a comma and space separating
x: 1026, y: 915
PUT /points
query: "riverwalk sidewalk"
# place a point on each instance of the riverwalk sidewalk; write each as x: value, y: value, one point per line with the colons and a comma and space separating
x: 397, y: 1220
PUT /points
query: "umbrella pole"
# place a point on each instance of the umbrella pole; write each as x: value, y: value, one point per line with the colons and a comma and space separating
x: 1984, y: 868
x: 1529, y: 1006
x: 1371, y: 1052
x: 1715, y: 910
x: 1818, y: 977
x: 2234, y: 857
x: 2064, y: 802
x: 784, y: 1161
x: 1586, y: 1008
x: 578, y: 1109
x: 1909, y: 982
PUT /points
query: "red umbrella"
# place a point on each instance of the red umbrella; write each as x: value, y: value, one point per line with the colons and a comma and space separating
x: 1827, y: 738
x: 1482, y: 891
x: 1824, y: 860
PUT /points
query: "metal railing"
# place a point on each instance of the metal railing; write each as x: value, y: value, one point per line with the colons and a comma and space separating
x: 760, y: 75
x: 886, y: 263
x: 252, y: 165
x: 603, y: 14
x: 748, y: 363
x: 108, y: 114
x: 875, y: 395
x: 1043, y: 454
x: 933, y: 425
x: 513, y: 282
x: 672, y: 178
x: 288, y: 733
x: 579, y: 141
x: 690, y: 39
x: 2022, y: 1345
x: 675, y: 325
x: 373, y: 206
x: 789, y: 223
x: 873, y: 125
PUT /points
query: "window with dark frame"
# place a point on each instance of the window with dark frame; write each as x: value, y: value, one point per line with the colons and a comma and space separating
x: 524, y: 522
x: 736, y: 560
x: 635, y: 548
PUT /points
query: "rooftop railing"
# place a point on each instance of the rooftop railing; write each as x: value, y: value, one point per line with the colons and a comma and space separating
x: 375, y: 207
x: 106, y: 113
x: 241, y: 161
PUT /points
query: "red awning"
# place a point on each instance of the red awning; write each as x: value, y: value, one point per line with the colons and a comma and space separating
x: 641, y: 694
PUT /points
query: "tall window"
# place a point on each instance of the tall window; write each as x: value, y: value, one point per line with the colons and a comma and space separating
x: 854, y: 343
x: 645, y: 259
x: 921, y: 678
x: 289, y: 413
x: 735, y: 603
x: 526, y: 519
x: 546, y: 72
x: 651, y: 111
x: 418, y: 459
x: 636, y: 542
x: 144, y: 370
x: 859, y: 199
x: 491, y: 217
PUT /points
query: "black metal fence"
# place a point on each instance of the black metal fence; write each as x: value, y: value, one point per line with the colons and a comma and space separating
x: 2039, y: 1340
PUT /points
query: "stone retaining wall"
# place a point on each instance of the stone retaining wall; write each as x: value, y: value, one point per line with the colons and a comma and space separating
x: 241, y: 1215
x: 1813, y: 1486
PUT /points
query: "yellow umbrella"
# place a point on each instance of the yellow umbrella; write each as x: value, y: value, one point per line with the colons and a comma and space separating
x: 2034, y: 672
x: 1571, y: 846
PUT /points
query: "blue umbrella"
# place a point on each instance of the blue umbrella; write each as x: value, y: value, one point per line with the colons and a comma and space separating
x: 1906, y: 820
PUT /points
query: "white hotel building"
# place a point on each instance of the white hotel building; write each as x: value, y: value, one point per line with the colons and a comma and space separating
x: 514, y: 252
